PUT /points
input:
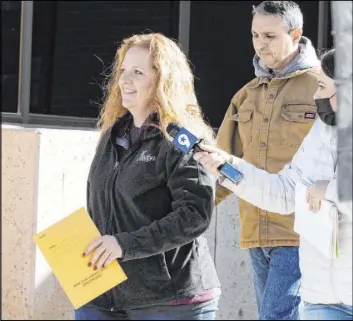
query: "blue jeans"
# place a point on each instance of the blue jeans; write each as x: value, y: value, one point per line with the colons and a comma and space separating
x: 202, y: 311
x: 276, y: 276
x: 327, y: 312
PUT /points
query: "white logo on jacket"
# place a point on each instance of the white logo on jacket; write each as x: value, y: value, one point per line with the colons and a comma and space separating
x: 146, y: 158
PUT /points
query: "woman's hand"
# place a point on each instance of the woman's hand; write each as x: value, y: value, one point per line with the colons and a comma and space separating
x: 106, y: 249
x: 315, y: 194
x: 212, y: 158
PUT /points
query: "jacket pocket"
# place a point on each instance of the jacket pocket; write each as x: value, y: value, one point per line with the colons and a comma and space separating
x: 153, y: 273
x: 244, y: 118
x: 163, y: 265
x: 296, y: 122
x: 147, y: 280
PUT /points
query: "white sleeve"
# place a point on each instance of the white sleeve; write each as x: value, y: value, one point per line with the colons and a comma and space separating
x: 270, y: 192
x: 273, y: 192
x: 332, y: 191
x: 345, y: 207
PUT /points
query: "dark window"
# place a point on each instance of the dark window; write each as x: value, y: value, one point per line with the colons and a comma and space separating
x: 10, y: 51
x: 221, y: 52
x: 75, y: 42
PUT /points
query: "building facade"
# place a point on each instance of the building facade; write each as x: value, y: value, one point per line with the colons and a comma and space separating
x: 55, y: 53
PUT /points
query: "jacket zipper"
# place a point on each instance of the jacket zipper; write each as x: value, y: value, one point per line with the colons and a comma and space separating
x: 112, y: 176
x: 113, y: 173
x: 108, y: 193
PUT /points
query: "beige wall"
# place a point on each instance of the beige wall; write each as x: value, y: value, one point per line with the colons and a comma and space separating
x: 43, y: 179
x: 19, y: 154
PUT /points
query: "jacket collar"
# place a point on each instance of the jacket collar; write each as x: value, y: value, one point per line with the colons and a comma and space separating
x: 149, y: 129
x: 305, y: 59
x: 265, y: 80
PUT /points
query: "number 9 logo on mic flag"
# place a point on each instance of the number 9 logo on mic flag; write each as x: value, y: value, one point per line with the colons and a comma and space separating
x: 184, y: 140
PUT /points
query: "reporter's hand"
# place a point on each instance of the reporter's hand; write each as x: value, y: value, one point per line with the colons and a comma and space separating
x: 105, y: 250
x: 212, y: 158
x: 315, y: 194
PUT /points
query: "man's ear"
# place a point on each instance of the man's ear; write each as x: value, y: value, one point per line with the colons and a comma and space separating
x: 296, y: 35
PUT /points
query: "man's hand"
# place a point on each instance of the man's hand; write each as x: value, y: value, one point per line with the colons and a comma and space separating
x: 212, y: 158
x: 105, y: 250
x: 315, y: 194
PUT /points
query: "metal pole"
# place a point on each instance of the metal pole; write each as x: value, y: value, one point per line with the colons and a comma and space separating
x: 322, y: 25
x: 184, y: 25
x: 342, y: 25
x: 24, y: 91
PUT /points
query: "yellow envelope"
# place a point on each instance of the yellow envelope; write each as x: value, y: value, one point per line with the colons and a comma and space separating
x: 62, y: 245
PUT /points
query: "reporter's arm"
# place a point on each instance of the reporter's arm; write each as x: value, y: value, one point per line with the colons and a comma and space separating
x: 271, y: 192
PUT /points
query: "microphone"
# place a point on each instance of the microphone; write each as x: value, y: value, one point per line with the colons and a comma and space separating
x: 186, y: 142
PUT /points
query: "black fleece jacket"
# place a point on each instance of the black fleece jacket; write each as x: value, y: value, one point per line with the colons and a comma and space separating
x: 157, y: 202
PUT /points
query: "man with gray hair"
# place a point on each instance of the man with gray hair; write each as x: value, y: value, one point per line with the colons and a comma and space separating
x: 265, y: 124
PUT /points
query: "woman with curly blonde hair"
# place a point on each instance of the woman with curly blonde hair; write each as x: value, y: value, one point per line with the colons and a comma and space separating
x: 151, y: 202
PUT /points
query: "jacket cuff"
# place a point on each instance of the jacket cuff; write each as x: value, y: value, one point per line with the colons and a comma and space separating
x: 125, y: 241
x: 121, y: 247
x: 331, y: 191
